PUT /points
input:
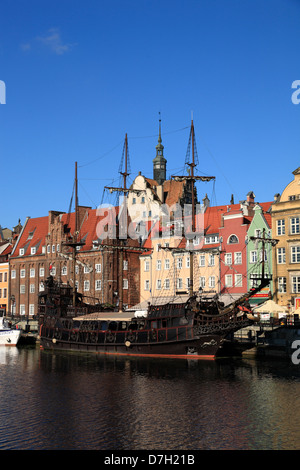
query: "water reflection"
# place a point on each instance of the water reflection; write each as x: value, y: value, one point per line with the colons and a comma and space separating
x: 74, y: 401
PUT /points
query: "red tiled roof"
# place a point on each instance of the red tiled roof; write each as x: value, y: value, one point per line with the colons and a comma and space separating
x: 33, y: 235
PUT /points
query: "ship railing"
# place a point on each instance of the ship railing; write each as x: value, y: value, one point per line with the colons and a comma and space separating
x: 73, y: 312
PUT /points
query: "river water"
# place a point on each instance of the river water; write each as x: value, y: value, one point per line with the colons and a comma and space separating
x: 53, y: 401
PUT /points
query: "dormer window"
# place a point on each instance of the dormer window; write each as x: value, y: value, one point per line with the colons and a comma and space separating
x: 21, y: 251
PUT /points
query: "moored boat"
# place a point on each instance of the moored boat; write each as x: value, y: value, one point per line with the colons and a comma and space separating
x: 8, y: 335
x: 192, y: 329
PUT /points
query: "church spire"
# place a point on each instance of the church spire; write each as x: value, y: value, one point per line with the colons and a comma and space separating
x: 159, y: 162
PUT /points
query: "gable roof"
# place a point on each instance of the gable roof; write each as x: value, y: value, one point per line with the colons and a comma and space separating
x: 32, y: 235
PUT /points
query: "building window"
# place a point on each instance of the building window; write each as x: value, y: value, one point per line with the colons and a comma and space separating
x: 253, y: 257
x: 86, y: 269
x: 158, y: 265
x: 146, y: 265
x: 211, y: 260
x: 187, y: 261
x: 32, y: 272
x: 167, y: 263
x: 147, y: 284
x: 179, y: 263
x: 53, y: 271
x: 98, y: 284
x: 228, y: 280
x: 281, y: 255
x: 58, y: 248
x: 201, y: 261
x: 228, y: 259
x: 53, y: 248
x: 4, y: 293
x: 232, y: 239
x: 280, y: 227
x: 22, y: 289
x: 22, y: 309
x: 21, y: 251
x: 33, y: 250
x: 13, y: 274
x: 125, y: 283
x: 295, y: 284
x: 64, y: 271
x: 202, y: 282
x: 32, y: 289
x: 212, y: 281
x: 48, y: 248
x: 238, y: 257
x: 42, y: 272
x: 295, y: 254
x: 31, y: 309
x: 282, y: 285
x: 158, y: 284
x: 210, y: 239
x: 86, y: 286
x: 167, y: 284
x: 254, y: 280
x: 22, y: 273
x: 295, y: 225
x: 179, y: 282
x: 125, y: 265
x: 98, y: 268
x: 238, y: 280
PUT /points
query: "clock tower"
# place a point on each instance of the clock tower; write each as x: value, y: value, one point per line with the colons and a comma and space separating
x: 159, y: 162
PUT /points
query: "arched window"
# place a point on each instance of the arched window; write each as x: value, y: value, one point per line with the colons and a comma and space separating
x: 232, y: 239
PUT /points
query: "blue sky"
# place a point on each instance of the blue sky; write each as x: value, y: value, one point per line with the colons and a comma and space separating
x: 79, y: 75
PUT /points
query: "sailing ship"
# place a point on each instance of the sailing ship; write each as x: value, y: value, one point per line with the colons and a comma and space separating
x: 195, y: 328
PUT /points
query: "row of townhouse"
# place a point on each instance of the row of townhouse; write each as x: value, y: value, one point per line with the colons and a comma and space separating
x: 42, y: 250
x: 286, y: 256
x: 227, y: 256
x: 224, y: 255
x: 7, y: 240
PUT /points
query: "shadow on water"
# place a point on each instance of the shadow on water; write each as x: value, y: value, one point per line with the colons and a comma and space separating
x: 82, y: 401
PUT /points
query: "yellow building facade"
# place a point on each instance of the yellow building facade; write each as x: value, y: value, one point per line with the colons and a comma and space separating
x: 286, y: 254
x: 4, y: 269
x: 165, y: 270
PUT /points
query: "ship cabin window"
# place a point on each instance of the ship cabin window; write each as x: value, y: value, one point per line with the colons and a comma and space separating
x: 136, y: 325
x: 103, y: 326
x: 112, y: 325
x: 154, y: 324
x: 122, y: 325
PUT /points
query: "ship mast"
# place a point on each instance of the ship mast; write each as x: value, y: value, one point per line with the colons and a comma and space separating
x: 192, y: 166
x: 74, y: 243
x: 123, y: 215
x: 192, y: 178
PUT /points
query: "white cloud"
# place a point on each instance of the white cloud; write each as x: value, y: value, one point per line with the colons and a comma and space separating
x: 53, y: 41
x: 26, y: 46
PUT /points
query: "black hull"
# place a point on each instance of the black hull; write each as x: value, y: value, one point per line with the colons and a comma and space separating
x: 204, y: 347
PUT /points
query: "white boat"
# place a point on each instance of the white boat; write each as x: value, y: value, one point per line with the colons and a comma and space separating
x: 8, y: 336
